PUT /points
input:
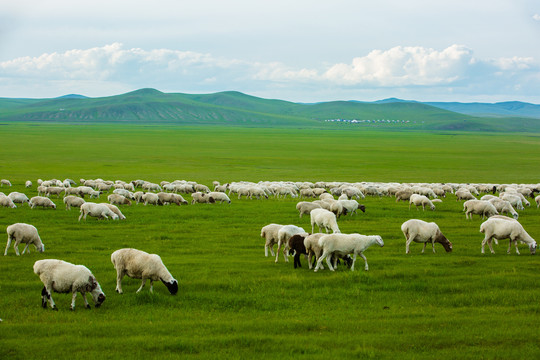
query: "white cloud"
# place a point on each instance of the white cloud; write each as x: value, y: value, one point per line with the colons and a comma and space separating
x: 536, y: 17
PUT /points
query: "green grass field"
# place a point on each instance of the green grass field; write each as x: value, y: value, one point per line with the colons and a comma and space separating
x: 235, y: 303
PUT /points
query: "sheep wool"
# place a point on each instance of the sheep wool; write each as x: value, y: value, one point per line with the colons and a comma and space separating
x: 23, y: 233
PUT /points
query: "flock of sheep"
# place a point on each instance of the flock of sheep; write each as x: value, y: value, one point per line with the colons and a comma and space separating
x: 324, y: 211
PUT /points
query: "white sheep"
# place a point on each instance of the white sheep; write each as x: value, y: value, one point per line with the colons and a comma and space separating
x: 45, y: 202
x: 420, y: 231
x: 479, y: 207
x: 199, y: 197
x: 28, y: 184
x: 115, y: 210
x: 74, y: 201
x: 54, y: 190
x: 63, y: 277
x: 504, y: 207
x: 219, y: 196
x: 305, y: 207
x: 502, y: 227
x: 537, y: 200
x: 420, y: 200
x: 323, y: 219
x: 151, y: 198
x: 311, y: 243
x: 124, y: 192
x: 101, y: 211
x: 344, y: 244
x: 283, y: 236
x: 26, y: 234
x: 117, y: 199
x: 138, y: 264
x: 464, y: 194
x: 513, y: 199
x: 7, y: 202
x: 5, y: 182
x: 170, y: 198
x: 351, y: 206
x: 270, y: 234
x: 18, y: 197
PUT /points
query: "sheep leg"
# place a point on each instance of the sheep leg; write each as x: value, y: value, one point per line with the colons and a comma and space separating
x: 409, y: 239
x: 151, y: 285
x: 73, y: 297
x: 354, y: 261
x: 365, y: 260
x: 26, y: 248
x: 329, y: 260
x: 46, y: 295
x: 433, y: 246
x: 424, y: 247
x: 319, y: 261
x: 143, y: 282
x: 16, y: 247
x: 7, y: 246
x: 119, y: 277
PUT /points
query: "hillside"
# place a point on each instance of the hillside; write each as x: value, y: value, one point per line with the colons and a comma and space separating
x: 238, y: 109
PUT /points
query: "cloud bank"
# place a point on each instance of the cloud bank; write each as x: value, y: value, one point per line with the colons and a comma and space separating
x: 112, y: 69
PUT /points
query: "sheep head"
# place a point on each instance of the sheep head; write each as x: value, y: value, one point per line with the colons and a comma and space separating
x: 441, y: 239
x: 532, y: 248
x: 172, y: 286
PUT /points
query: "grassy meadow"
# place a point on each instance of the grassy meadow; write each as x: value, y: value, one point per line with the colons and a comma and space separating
x: 235, y: 303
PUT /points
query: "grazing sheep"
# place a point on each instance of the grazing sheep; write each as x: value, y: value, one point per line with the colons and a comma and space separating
x: 138, y: 264
x: 305, y: 207
x: 464, y: 194
x: 5, y: 182
x: 403, y: 194
x: 18, y: 197
x: 513, y: 199
x: 297, y: 248
x: 23, y: 233
x: 423, y: 232
x: 479, y: 207
x: 504, y: 207
x: 124, y: 192
x: 199, y: 197
x: 101, y: 211
x: 311, y: 244
x: 137, y: 196
x: 502, y: 227
x: 170, y: 198
x: 115, y: 210
x: 151, y: 198
x: 54, y: 190
x: 326, y: 196
x: 117, y: 199
x: 307, y: 193
x: 219, y: 196
x: 418, y: 200
x: 7, y: 202
x: 283, y: 236
x: 351, y: 206
x: 75, y: 201
x: 537, y: 200
x: 94, y: 194
x: 344, y: 244
x: 323, y: 219
x: 270, y: 233
x: 28, y: 184
x: 45, y: 202
x: 63, y: 277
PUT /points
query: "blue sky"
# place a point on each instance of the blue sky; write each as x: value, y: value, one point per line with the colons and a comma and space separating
x: 297, y: 50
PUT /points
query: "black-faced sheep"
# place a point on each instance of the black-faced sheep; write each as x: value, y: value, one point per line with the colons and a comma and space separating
x: 138, y: 264
x: 23, y: 233
x: 63, y: 277
x: 423, y: 232
x: 297, y: 248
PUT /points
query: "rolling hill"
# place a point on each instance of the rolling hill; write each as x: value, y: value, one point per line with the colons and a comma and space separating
x: 234, y: 108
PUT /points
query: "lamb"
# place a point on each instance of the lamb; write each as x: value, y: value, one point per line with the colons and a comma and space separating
x: 344, y: 244
x: 305, y: 207
x: 28, y: 184
x: 115, y: 210
x: 45, y: 202
x: 418, y: 200
x: 423, y: 232
x: 96, y: 210
x: 7, y: 202
x: 323, y: 219
x: 63, y: 277
x: 75, y: 201
x: 117, y: 199
x: 151, y: 198
x: 297, y: 247
x: 171, y: 198
x: 23, y: 233
x: 199, y: 197
x: 5, y: 182
x: 504, y: 207
x: 18, y: 197
x: 220, y: 196
x: 138, y: 264
x: 479, y: 207
x: 269, y: 233
x: 283, y: 236
x: 502, y: 227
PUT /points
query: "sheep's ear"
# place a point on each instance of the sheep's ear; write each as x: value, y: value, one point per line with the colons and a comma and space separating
x: 92, y: 282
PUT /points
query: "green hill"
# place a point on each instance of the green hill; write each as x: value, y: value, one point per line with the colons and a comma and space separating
x: 238, y: 109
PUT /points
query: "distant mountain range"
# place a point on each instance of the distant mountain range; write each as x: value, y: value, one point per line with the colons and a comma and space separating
x: 238, y: 109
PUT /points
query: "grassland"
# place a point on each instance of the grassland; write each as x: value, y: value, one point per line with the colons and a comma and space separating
x: 235, y: 303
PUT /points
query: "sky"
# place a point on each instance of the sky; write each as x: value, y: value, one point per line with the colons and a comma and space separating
x: 295, y: 50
